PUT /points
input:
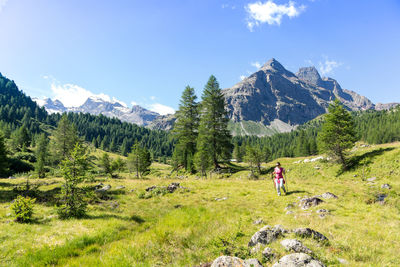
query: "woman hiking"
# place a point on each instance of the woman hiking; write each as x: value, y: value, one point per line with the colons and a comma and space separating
x: 279, y: 178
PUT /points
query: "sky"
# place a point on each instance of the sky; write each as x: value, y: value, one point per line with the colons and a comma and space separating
x: 147, y: 52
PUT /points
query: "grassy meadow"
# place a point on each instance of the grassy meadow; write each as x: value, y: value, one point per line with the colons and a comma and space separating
x: 212, y: 217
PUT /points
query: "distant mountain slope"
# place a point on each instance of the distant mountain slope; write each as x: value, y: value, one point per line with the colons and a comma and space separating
x: 97, y: 106
x: 275, y: 96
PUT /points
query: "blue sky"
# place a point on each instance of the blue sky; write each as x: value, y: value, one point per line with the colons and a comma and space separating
x: 146, y: 52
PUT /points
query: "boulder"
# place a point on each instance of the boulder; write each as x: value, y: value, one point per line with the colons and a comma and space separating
x: 298, y: 260
x: 104, y: 188
x: 267, y: 234
x: 151, y: 188
x: 386, y: 186
x: 228, y: 261
x: 295, y: 246
x: 307, y: 232
x: 306, y: 203
x: 172, y: 187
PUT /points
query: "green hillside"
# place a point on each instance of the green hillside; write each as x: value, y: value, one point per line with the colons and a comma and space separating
x: 213, y: 217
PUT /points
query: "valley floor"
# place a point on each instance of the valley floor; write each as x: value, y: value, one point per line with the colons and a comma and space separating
x: 215, y: 217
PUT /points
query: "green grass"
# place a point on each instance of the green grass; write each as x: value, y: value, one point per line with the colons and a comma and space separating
x: 187, y: 228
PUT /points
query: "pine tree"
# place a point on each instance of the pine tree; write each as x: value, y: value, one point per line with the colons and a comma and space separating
x: 254, y: 157
x: 3, y: 157
x: 65, y: 138
x: 139, y: 160
x: 237, y: 152
x: 41, y: 155
x: 105, y: 163
x: 213, y: 127
x: 74, y: 168
x: 337, y: 134
x: 202, y: 159
x: 186, y: 129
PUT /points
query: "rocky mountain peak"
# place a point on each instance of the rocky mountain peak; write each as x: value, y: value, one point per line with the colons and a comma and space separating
x: 273, y: 66
x: 310, y: 75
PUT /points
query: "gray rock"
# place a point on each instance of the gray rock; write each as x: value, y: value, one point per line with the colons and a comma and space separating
x: 104, y: 188
x: 289, y: 212
x: 343, y: 261
x: 221, y: 198
x: 172, y: 187
x: 306, y: 203
x: 307, y: 232
x: 322, y: 211
x: 386, y: 186
x: 298, y: 260
x: 289, y: 206
x: 12, y: 177
x: 151, y: 188
x: 381, y: 197
x: 268, y: 253
x: 98, y: 186
x: 371, y: 179
x: 295, y: 246
x: 228, y: 261
x: 267, y: 234
x: 328, y: 195
x: 120, y: 187
x: 255, y: 249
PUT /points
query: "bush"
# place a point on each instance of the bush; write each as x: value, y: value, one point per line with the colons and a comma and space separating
x: 22, y: 209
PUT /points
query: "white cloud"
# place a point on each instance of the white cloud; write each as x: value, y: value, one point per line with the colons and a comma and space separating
x: 271, y: 13
x: 133, y: 103
x: 152, y: 97
x: 72, y: 95
x: 256, y: 64
x: 2, y: 4
x: 242, y: 77
x: 160, y: 108
x: 228, y: 6
x: 328, y: 66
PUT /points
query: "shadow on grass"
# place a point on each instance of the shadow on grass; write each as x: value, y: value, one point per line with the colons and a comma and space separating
x: 297, y: 192
x: 363, y: 159
x: 134, y: 218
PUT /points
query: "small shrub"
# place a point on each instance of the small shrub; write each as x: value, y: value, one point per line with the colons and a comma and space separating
x: 22, y: 209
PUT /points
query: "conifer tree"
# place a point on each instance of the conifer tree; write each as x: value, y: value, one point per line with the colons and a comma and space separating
x: 254, y: 157
x: 186, y: 129
x: 237, y: 152
x: 213, y: 127
x: 337, y: 134
x: 3, y: 157
x: 65, y: 138
x: 41, y: 155
x: 139, y: 160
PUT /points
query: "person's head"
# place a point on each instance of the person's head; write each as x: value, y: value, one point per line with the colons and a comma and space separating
x: 278, y: 164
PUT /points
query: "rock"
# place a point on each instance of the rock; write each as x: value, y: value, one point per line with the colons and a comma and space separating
x: 343, y: 261
x: 132, y: 190
x: 295, y: 245
x: 228, y: 261
x: 355, y: 175
x: 266, y: 235
x: 114, y: 204
x: 328, y: 195
x: 221, y: 199
x: 371, y: 179
x: 307, y: 160
x: 386, y: 186
x: 98, y: 186
x: 298, y: 260
x: 381, y: 197
x: 258, y: 221
x: 289, y: 212
x: 317, y: 168
x: 148, y: 189
x: 306, y: 203
x: 120, y: 187
x: 317, y: 158
x: 307, y: 232
x: 172, y: 187
x: 12, y: 177
x: 177, y: 206
x: 268, y: 253
x: 104, y: 188
x: 323, y: 211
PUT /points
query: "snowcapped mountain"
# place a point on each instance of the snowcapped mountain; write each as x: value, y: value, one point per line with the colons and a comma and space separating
x: 96, y: 106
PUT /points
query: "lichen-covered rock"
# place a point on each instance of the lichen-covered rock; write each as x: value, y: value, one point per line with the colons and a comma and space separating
x: 172, y: 187
x: 298, y: 260
x: 307, y: 232
x: 267, y: 234
x: 295, y: 246
x: 386, y: 186
x: 268, y: 253
x: 228, y: 261
x: 328, y: 195
x: 306, y: 203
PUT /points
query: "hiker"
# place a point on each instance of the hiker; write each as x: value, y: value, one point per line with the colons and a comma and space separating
x: 279, y: 178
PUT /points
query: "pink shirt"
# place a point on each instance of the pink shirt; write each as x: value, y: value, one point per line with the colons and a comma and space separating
x: 279, y: 171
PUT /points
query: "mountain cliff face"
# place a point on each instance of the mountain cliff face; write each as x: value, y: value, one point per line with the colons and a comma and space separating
x: 275, y: 96
x: 96, y: 106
